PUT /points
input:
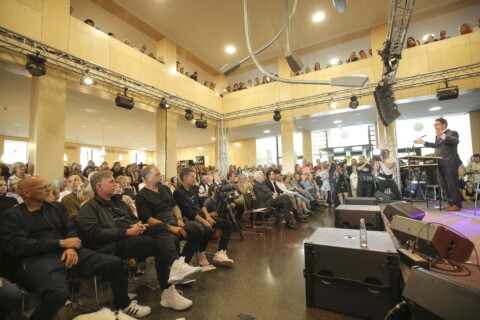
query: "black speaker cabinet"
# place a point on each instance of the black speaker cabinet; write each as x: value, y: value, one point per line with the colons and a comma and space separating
x: 433, y: 239
x: 343, y: 277
x: 432, y: 295
x: 403, y: 209
x: 348, y: 216
x: 366, y: 201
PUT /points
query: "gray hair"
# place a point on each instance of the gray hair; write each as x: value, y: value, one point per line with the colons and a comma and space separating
x: 146, y: 171
x: 257, y: 174
x: 98, y: 177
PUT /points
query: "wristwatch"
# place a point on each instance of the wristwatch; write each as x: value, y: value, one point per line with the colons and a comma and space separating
x: 61, y: 243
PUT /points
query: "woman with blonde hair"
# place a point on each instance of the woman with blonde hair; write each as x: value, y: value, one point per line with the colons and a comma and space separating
x: 17, y: 171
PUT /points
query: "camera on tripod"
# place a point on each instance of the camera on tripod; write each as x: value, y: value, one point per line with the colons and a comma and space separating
x: 225, y: 193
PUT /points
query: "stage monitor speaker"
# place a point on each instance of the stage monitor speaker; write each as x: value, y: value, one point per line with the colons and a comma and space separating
x: 382, y: 197
x: 403, y: 209
x: 348, y: 216
x: 432, y: 295
x: 343, y: 277
x: 433, y: 239
x: 366, y: 201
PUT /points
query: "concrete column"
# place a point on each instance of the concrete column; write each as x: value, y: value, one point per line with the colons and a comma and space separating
x: 55, y: 20
x: 166, y: 136
x: 222, y: 148
x: 307, y: 145
x: 287, y: 128
x: 47, y: 126
x: 475, y: 130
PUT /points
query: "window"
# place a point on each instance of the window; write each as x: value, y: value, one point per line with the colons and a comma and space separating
x: 87, y: 154
x: 139, y: 156
x: 15, y: 151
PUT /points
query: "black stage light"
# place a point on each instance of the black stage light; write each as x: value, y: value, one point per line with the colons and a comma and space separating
x: 276, y: 115
x: 201, y: 123
x: 123, y: 101
x: 447, y: 93
x: 36, y: 65
x: 353, y: 102
x: 189, y: 115
x: 163, y: 104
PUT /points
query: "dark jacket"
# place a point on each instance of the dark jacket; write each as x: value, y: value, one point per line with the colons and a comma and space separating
x: 97, y: 225
x: 447, y: 149
x: 14, y: 228
x: 270, y: 185
x: 262, y: 194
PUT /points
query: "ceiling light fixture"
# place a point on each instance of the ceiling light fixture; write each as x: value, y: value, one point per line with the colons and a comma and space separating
x: 266, y: 131
x: 334, y: 61
x: 36, y: 65
x: 189, y: 115
x: 353, y: 102
x: 230, y: 49
x: 276, y: 115
x: 163, y: 104
x: 435, y: 108
x: 337, y: 121
x: 86, y: 80
x: 318, y: 16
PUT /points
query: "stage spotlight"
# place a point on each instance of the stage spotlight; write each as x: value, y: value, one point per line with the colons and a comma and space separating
x: 332, y: 104
x: 36, y: 65
x: 189, y: 115
x: 447, y: 93
x: 163, y: 104
x: 123, y: 101
x: 201, y: 123
x: 353, y: 102
x: 276, y: 115
x: 87, y: 80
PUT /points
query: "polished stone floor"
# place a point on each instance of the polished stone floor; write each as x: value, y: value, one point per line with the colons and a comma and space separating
x: 267, y: 281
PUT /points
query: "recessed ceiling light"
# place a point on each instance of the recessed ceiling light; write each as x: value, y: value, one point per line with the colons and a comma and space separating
x: 237, y: 144
x: 230, y: 49
x: 357, y: 114
x: 337, y: 121
x: 318, y: 16
x: 266, y: 131
x: 435, y: 108
x: 91, y: 110
x: 334, y: 61
x: 213, y: 138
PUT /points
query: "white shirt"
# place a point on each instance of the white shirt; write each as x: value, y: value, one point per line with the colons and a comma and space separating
x: 63, y: 194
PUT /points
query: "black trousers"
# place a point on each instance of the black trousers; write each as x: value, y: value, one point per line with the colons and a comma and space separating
x: 46, y: 276
x: 450, y: 185
x: 225, y: 226
x: 283, y: 203
x: 156, y: 241
x: 198, y: 237
x: 10, y: 301
x: 364, y: 189
x: 389, y: 183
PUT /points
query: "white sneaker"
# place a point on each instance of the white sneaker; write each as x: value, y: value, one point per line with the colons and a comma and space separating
x: 222, y: 259
x: 202, y: 259
x: 182, y: 272
x: 174, y: 299
x: 136, y: 310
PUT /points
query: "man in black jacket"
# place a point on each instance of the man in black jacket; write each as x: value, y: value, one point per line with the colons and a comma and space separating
x: 446, y: 143
x: 41, y: 240
x: 267, y: 199
x: 109, y: 226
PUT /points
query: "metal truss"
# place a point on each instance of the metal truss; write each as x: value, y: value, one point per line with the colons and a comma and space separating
x: 400, y: 14
x: 20, y: 44
x: 222, y: 155
x: 434, y: 77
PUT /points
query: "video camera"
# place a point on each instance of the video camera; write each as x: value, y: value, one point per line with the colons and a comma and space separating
x: 225, y: 193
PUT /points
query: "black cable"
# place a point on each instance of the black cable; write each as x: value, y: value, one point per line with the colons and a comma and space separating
x: 395, y: 309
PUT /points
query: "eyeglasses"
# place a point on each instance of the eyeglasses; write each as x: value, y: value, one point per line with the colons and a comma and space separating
x: 46, y: 187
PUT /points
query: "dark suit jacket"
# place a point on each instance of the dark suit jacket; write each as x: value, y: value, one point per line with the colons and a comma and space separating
x: 262, y: 194
x: 447, y: 149
x: 269, y: 184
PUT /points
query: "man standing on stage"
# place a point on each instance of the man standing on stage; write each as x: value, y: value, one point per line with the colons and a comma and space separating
x: 445, y: 145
